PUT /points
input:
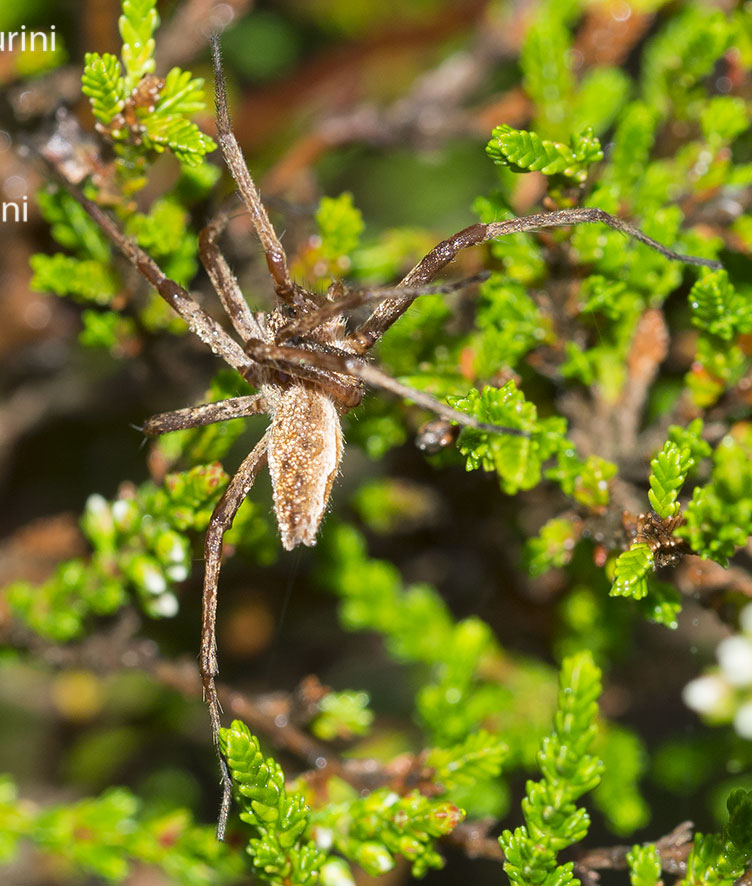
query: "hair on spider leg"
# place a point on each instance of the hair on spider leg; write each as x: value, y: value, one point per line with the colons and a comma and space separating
x: 352, y: 298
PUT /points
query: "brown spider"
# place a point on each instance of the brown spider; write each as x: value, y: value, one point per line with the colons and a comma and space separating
x: 308, y: 369
x: 658, y: 534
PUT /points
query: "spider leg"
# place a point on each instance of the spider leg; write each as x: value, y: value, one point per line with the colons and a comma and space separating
x: 276, y: 258
x: 220, y: 522
x: 386, y: 313
x: 200, y: 323
x: 355, y: 298
x: 206, y: 414
x: 223, y: 280
x: 292, y: 359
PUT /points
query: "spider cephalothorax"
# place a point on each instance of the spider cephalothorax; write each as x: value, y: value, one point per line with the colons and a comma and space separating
x: 307, y: 367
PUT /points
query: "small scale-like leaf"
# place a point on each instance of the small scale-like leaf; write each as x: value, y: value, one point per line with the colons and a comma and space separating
x: 280, y: 853
x: 668, y: 471
x: 183, y: 137
x: 553, y: 546
x: 552, y: 819
x: 644, y: 865
x: 517, y: 460
x: 181, y: 94
x: 102, y: 82
x: 717, y: 308
x: 86, y: 280
x: 718, y: 519
x: 524, y: 151
x: 479, y: 757
x: 340, y: 225
x: 137, y: 25
x: 631, y: 571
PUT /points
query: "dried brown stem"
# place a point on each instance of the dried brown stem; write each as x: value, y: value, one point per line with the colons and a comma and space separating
x: 673, y: 849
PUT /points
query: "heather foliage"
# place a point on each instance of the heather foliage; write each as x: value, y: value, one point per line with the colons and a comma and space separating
x: 629, y: 374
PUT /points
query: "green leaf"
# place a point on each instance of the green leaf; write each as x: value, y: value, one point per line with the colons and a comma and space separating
x: 668, y: 471
x: 625, y: 760
x: 633, y: 142
x: 517, y: 460
x: 479, y: 757
x: 723, y: 118
x: 457, y: 700
x: 85, y: 280
x: 137, y: 25
x: 163, y: 230
x: 600, y: 98
x: 280, y: 852
x: 715, y: 370
x: 109, y: 837
x: 372, y: 830
x: 553, y: 546
x: 181, y: 136
x: 720, y: 859
x: 552, y: 820
x: 523, y: 151
x: 105, y: 329
x: 717, y: 308
x: 691, y: 438
x: 342, y: 715
x: 102, y: 82
x: 611, y: 298
x: 510, y: 325
x: 644, y: 865
x: 631, y: 571
x: 182, y: 93
x: 138, y: 544
x: 546, y: 67
x: 340, y: 225
x: 72, y: 226
x: 682, y: 53
x: 662, y: 605
x: 587, y: 482
x: 718, y: 519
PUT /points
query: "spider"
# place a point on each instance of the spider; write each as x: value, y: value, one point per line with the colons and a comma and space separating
x: 658, y: 534
x: 308, y: 369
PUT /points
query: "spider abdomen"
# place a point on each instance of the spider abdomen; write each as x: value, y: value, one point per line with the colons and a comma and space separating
x: 305, y: 447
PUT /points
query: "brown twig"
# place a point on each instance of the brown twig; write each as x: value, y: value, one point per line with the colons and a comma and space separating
x: 673, y: 849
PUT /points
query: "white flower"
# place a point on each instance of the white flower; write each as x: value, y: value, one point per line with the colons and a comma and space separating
x: 745, y: 619
x: 735, y: 657
x: 165, y: 605
x: 178, y: 572
x: 743, y: 720
x: 153, y: 580
x: 706, y: 695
